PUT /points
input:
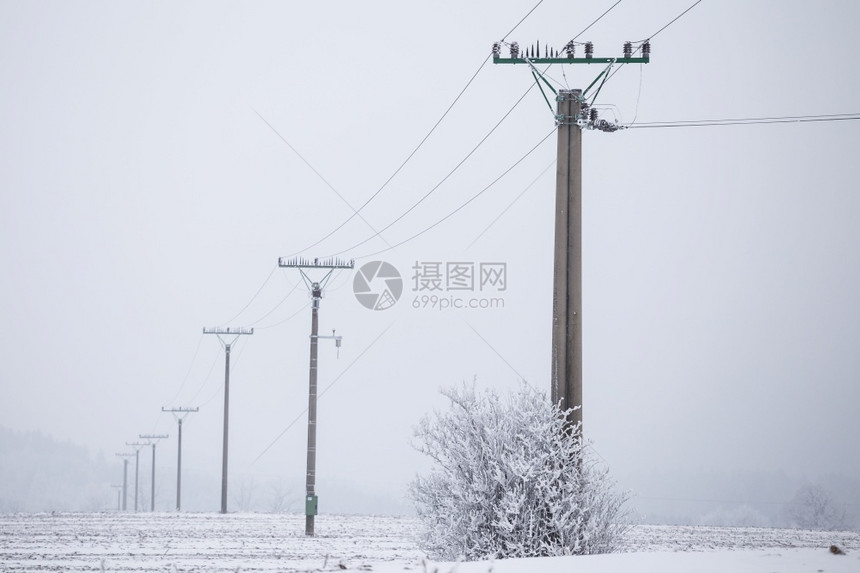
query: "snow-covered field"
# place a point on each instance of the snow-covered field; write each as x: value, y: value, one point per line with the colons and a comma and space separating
x: 276, y: 542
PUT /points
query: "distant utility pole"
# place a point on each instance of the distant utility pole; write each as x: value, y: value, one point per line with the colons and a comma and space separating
x: 136, y: 446
x: 572, y: 115
x: 125, y: 457
x: 235, y: 333
x: 316, y: 288
x: 179, y: 414
x: 118, y: 489
x: 153, y: 438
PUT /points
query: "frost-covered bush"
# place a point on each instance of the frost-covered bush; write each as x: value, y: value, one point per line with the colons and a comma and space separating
x: 511, y: 480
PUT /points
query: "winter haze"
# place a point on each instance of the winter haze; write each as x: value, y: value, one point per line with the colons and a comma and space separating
x: 157, y: 158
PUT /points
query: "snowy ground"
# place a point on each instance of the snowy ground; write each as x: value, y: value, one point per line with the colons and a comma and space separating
x: 276, y: 542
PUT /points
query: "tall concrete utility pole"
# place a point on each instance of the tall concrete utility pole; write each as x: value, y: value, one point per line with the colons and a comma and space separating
x: 316, y: 288
x: 153, y: 439
x: 179, y: 414
x: 573, y: 114
x: 125, y: 457
x: 136, y: 446
x: 566, y: 372
x: 235, y: 333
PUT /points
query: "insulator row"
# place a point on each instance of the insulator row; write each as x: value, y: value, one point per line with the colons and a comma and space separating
x: 533, y: 51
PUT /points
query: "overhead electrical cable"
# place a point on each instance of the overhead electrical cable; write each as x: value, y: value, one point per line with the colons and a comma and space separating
x: 746, y: 121
x: 523, y: 19
x: 276, y: 307
x: 468, y: 201
x: 289, y: 318
x: 402, y: 165
x: 599, y: 18
x: 321, y: 394
x: 439, y: 184
x: 253, y: 298
x: 676, y: 18
x: 415, y: 150
x: 511, y: 204
x: 652, y: 36
x: 206, y: 380
x: 318, y: 174
x: 187, y: 372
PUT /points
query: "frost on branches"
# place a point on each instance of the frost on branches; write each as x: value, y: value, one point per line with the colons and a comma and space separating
x: 510, y: 481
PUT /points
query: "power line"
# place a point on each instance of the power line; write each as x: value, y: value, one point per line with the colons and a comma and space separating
x: 276, y: 307
x: 439, y: 184
x: 403, y: 164
x: 289, y: 318
x: 326, y: 389
x: 523, y: 19
x: 463, y: 205
x: 599, y: 18
x: 676, y: 18
x: 511, y: 204
x: 746, y: 121
x: 639, y: 48
x: 206, y: 380
x: 318, y: 174
x: 417, y: 147
x: 256, y: 294
x: 188, y: 372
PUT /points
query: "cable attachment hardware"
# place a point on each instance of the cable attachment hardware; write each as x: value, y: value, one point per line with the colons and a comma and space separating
x: 606, y: 126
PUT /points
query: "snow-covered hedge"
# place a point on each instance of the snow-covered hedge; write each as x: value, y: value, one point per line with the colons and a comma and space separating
x: 511, y: 480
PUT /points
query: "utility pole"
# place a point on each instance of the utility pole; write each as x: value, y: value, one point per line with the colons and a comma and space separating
x: 235, y: 333
x: 573, y: 114
x: 179, y: 414
x: 124, y: 457
x: 316, y: 288
x: 153, y: 438
x: 136, y: 446
x: 118, y: 489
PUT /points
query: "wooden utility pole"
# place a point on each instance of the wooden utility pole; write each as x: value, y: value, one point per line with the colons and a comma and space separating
x: 179, y: 413
x: 572, y: 115
x: 235, y: 332
x: 316, y: 288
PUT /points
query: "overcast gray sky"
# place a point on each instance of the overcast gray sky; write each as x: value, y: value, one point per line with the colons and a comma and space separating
x: 143, y: 197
